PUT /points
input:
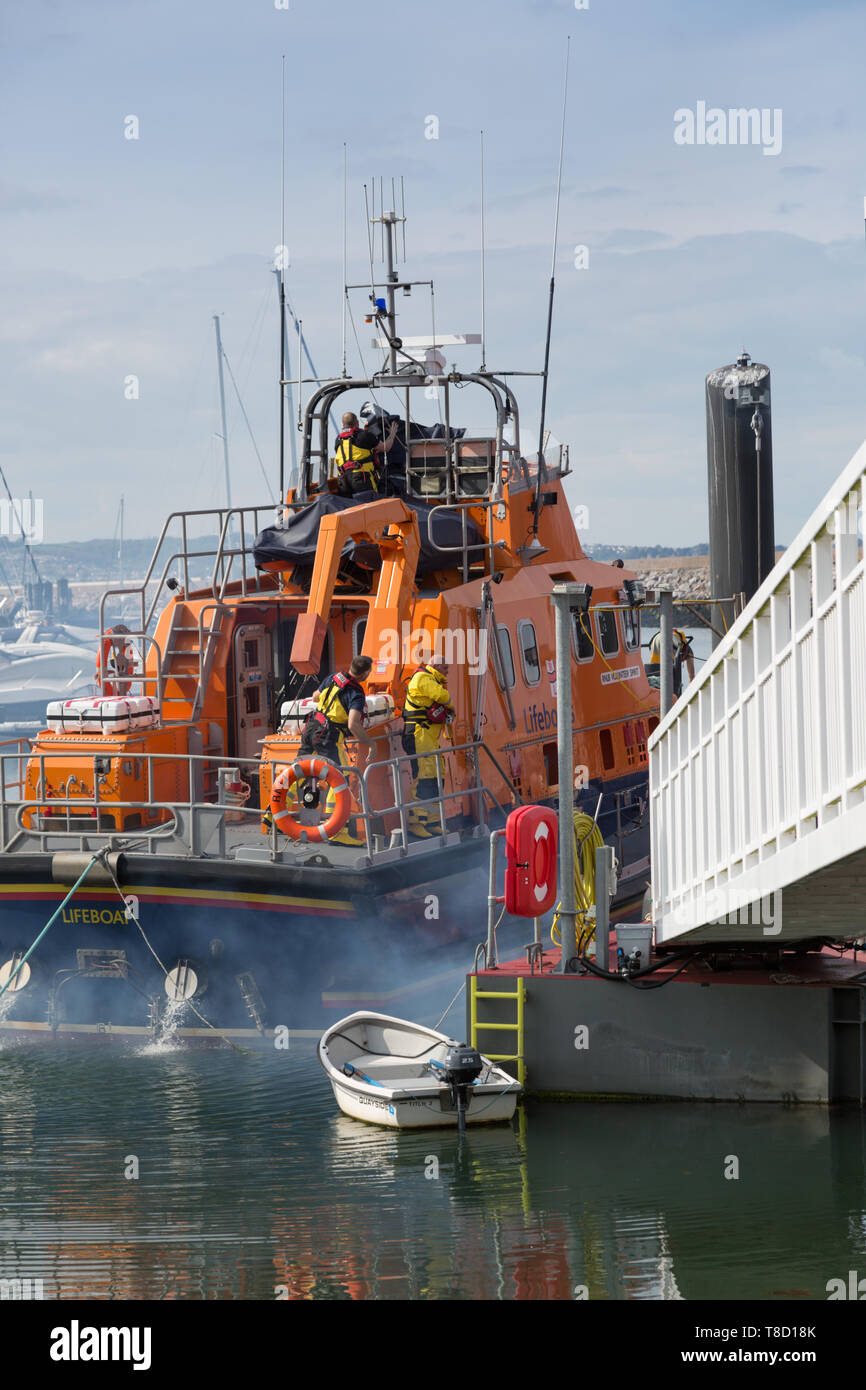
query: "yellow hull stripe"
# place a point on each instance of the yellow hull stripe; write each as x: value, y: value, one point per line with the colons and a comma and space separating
x: 200, y: 894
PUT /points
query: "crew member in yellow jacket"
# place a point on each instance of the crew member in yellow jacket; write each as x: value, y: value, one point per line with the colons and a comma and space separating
x: 340, y: 710
x: 428, y: 708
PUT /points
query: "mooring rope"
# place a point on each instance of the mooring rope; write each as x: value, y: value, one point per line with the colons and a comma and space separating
x: 245, y: 1051
x: 453, y: 1001
x: 52, y: 919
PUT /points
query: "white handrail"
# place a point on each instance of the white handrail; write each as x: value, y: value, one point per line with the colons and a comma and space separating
x: 758, y: 772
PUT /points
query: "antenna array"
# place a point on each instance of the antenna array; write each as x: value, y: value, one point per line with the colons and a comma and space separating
x: 379, y: 219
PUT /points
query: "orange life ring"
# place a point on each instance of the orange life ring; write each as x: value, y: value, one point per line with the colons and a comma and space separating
x: 121, y: 668
x: 319, y: 770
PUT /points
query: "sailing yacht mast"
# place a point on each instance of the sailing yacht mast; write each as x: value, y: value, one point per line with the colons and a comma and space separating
x: 225, y: 433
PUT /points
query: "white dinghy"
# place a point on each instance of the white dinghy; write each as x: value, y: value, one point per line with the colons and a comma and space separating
x: 388, y: 1071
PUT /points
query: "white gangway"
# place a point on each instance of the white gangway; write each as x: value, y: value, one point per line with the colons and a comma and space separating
x: 758, y: 773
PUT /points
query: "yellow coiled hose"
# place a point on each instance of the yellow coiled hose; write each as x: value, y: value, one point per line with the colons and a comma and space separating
x: 587, y: 839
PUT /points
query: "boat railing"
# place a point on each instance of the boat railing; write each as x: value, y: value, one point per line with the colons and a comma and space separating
x: 399, y: 765
x: 190, y: 821
x: 555, y: 464
x: 139, y: 680
x: 465, y: 546
x: 236, y: 529
x: 14, y: 754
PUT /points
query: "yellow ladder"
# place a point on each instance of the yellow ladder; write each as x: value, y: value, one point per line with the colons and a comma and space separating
x: 519, y: 997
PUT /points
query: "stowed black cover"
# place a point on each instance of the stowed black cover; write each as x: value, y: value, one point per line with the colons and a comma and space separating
x: 295, y: 543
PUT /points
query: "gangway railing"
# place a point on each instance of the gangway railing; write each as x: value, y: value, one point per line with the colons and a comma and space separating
x: 758, y: 772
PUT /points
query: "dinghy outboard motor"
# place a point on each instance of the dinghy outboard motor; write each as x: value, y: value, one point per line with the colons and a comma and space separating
x: 462, y: 1065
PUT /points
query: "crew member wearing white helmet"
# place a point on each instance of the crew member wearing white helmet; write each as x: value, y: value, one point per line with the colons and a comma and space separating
x: 373, y: 422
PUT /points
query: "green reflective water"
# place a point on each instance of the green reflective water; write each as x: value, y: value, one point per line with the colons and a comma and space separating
x: 251, y: 1185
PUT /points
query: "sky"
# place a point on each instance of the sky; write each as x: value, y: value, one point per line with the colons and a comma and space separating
x: 117, y: 252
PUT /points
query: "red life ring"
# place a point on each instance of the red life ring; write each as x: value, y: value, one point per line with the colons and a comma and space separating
x: 120, y: 666
x: 319, y: 770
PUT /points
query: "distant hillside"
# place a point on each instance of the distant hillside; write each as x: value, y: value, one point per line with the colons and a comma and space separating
x: 84, y: 560
x: 98, y: 559
x: 607, y: 553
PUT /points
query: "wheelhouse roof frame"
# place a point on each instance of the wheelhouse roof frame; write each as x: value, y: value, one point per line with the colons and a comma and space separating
x: 315, y: 447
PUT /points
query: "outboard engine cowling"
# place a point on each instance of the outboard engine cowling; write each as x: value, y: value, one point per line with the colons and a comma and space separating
x: 462, y: 1065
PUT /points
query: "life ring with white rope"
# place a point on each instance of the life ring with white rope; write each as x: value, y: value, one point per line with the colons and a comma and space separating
x: 318, y: 771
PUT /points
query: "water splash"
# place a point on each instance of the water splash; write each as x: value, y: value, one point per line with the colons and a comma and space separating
x: 166, y: 1039
x: 7, y: 1001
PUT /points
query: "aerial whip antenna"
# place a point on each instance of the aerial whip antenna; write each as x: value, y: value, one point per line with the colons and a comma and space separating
x: 282, y: 253
x: 536, y: 510
x: 483, y: 329
x: 345, y: 247
x: 300, y: 379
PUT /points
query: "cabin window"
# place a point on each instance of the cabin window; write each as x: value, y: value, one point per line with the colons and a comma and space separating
x: 631, y: 628
x: 605, y: 738
x: 581, y: 637
x: 608, y: 638
x: 529, y: 658
x: 359, y: 627
x: 505, y: 668
x: 551, y: 764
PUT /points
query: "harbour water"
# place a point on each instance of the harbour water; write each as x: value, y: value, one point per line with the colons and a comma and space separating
x: 158, y: 1173
x: 178, y: 1175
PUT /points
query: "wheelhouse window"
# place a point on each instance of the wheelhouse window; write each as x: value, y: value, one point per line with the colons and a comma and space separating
x: 529, y: 658
x: 608, y: 637
x: 581, y: 637
x: 631, y: 628
x: 504, y: 668
x: 359, y: 627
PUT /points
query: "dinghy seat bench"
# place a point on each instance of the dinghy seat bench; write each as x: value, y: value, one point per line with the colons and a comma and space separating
x: 387, y: 1067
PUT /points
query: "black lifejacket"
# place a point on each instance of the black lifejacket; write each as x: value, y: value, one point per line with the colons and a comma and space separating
x: 323, y: 727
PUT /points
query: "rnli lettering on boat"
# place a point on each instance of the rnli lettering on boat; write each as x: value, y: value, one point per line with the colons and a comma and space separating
x: 625, y: 673
x: 538, y: 717
x: 93, y: 916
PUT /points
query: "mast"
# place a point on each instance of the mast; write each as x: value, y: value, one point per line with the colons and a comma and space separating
x: 536, y: 508
x: 389, y: 221
x: 283, y: 384
x: 225, y: 437
x: 283, y: 288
